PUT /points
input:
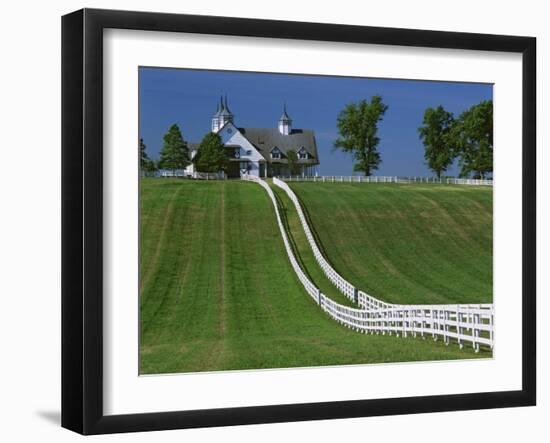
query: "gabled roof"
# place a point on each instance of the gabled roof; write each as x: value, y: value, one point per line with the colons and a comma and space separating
x: 265, y: 139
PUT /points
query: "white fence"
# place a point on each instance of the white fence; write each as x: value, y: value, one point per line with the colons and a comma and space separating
x: 182, y: 173
x: 470, y: 181
x: 345, y: 287
x: 385, y: 179
x: 171, y: 173
x: 464, y: 323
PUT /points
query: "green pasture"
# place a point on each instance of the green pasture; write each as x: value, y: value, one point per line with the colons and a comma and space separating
x: 413, y: 243
x: 217, y: 291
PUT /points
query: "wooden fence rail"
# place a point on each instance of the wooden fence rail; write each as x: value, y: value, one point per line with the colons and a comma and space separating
x: 463, y: 323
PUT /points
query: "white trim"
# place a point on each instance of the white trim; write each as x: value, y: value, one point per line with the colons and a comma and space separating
x: 278, y: 153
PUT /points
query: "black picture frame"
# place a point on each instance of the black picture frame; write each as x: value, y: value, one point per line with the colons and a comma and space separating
x: 82, y: 219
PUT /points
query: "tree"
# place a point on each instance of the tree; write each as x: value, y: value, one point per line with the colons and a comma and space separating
x: 472, y: 136
x: 211, y: 155
x: 143, y: 157
x: 145, y: 163
x: 435, y: 134
x: 174, y: 153
x: 293, y: 166
x: 358, y: 126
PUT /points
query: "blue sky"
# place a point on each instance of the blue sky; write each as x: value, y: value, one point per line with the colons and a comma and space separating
x: 189, y: 98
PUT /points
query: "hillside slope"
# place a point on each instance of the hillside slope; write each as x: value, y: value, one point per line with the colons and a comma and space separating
x: 406, y: 243
x: 217, y: 290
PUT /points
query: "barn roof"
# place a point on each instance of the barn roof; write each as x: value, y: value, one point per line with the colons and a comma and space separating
x: 265, y: 139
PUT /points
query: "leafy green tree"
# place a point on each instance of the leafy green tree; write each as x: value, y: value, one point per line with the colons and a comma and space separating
x: 293, y: 166
x: 151, y: 166
x: 146, y: 164
x: 358, y: 127
x: 211, y: 155
x: 175, y: 152
x: 435, y: 134
x: 472, y: 136
x: 143, y: 157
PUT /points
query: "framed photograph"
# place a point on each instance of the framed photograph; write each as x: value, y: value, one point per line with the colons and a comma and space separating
x: 268, y: 221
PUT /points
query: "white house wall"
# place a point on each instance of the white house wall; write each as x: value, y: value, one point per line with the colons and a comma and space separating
x: 190, y: 169
x: 230, y: 135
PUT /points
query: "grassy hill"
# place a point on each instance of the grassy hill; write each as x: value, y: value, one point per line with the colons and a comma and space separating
x: 217, y: 290
x: 406, y: 243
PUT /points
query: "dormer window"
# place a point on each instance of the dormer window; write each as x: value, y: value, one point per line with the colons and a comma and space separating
x: 276, y: 153
x: 302, y: 154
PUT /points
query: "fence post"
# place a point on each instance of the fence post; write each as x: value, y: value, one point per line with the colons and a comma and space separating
x: 492, y: 324
x: 459, y: 327
x: 434, y: 316
x: 475, y: 333
x: 395, y: 316
x: 423, y: 323
x: 445, y: 327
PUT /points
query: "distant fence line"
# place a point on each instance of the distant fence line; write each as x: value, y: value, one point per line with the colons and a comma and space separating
x: 385, y: 179
x: 182, y: 173
x: 465, y: 323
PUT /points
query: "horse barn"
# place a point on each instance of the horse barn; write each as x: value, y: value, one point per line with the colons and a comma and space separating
x: 262, y: 152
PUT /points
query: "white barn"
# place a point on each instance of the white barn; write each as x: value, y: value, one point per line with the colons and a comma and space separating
x: 262, y: 152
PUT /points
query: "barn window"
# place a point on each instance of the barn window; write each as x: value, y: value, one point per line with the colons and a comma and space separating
x: 275, y: 153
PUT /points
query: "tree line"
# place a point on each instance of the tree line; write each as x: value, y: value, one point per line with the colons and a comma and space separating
x: 468, y: 137
x: 211, y: 155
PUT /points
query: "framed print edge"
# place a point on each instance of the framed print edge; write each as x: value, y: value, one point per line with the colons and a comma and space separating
x: 82, y: 222
x: 72, y: 220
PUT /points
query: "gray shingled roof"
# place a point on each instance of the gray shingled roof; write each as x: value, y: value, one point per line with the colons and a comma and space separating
x: 265, y: 139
